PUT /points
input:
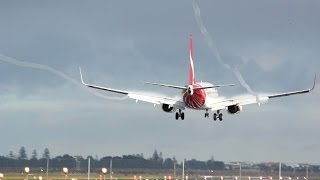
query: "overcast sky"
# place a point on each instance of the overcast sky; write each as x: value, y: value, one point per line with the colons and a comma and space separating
x: 274, y: 44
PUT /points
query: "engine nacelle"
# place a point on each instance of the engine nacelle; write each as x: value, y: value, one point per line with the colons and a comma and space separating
x: 234, y: 109
x: 167, y: 108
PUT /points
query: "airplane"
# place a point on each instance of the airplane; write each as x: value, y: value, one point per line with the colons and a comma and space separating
x: 198, y: 96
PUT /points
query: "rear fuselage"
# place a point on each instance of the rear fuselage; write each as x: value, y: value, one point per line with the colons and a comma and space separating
x: 199, y: 98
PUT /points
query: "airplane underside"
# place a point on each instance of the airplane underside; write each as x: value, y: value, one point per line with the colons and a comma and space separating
x: 216, y: 116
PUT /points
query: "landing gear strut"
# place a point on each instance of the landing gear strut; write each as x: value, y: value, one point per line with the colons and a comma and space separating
x: 206, y: 115
x: 180, y: 114
x: 217, y: 115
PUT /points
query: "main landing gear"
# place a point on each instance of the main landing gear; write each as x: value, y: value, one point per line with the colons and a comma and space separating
x: 180, y: 114
x: 216, y: 116
x: 206, y: 115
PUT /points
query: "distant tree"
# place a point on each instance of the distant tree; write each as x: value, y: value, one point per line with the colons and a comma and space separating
x: 161, y: 157
x: 34, y: 155
x: 46, y: 153
x: 155, y: 156
x: 11, y: 155
x: 211, y: 158
x: 216, y: 165
x: 22, y: 153
x: 168, y: 163
x: 68, y: 161
x: 63, y: 161
x: 174, y: 159
x: 105, y: 161
x: 34, y: 159
x: 195, y: 164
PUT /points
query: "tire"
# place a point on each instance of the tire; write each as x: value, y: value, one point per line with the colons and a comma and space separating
x: 182, y: 116
x: 220, y: 117
x: 177, y: 116
x: 214, y: 116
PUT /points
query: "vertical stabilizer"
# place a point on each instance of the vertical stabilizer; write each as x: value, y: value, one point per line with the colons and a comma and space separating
x: 191, y: 70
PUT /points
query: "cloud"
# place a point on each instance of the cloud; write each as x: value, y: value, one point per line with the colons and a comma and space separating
x: 119, y: 44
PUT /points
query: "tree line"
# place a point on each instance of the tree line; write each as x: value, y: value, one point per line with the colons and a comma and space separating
x: 157, y: 161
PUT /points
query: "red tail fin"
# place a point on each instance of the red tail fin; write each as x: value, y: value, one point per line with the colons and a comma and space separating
x: 191, y: 70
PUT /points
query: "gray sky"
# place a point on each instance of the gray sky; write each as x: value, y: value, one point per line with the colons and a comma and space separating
x: 274, y: 44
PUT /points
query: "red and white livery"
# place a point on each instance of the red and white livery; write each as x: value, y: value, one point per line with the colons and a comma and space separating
x: 198, y: 95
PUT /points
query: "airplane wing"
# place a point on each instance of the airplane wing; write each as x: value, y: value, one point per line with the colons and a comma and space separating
x: 223, y: 104
x: 140, y: 97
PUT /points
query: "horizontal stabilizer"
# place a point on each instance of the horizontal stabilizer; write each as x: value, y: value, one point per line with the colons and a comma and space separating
x: 214, y: 86
x: 184, y: 87
x: 166, y: 85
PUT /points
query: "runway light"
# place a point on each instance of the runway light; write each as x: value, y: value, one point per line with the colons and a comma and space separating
x: 260, y: 177
x: 27, y: 169
x: 1, y: 175
x: 249, y: 177
x: 104, y: 170
x: 65, y: 170
x: 40, y: 177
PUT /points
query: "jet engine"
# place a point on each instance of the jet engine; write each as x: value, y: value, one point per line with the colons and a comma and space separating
x: 168, y: 108
x: 234, y: 109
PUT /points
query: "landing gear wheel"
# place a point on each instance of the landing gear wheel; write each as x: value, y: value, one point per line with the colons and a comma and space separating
x: 206, y: 115
x: 182, y: 116
x: 220, y: 117
x: 179, y: 114
x: 215, y: 116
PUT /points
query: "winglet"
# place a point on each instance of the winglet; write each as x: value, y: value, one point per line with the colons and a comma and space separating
x: 81, y: 76
x: 314, y: 82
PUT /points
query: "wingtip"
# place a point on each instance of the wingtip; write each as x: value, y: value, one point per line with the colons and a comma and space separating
x: 314, y: 82
x: 81, y: 75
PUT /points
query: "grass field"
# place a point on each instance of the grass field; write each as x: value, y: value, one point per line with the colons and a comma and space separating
x: 156, y: 175
x: 61, y: 176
